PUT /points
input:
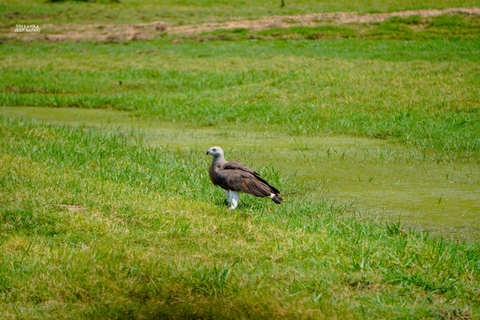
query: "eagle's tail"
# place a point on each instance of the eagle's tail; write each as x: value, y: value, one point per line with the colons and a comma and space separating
x: 276, y: 198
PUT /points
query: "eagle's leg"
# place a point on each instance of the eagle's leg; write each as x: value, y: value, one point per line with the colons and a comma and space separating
x: 234, y: 199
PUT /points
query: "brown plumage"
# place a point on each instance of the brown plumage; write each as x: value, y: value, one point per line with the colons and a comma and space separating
x: 235, y: 177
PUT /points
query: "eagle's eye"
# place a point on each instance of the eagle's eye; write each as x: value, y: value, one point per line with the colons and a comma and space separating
x: 214, y: 150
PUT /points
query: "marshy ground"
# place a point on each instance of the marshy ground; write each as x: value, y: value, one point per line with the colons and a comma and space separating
x: 382, y: 181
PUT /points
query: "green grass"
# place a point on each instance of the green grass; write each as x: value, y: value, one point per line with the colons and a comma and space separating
x: 422, y: 92
x: 414, y: 28
x: 14, y: 12
x: 100, y: 226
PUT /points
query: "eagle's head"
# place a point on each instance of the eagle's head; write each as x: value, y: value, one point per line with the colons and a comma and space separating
x: 215, y: 152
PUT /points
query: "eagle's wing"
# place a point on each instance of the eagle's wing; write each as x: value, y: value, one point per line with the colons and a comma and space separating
x: 235, y: 165
x: 241, y: 181
x: 237, y: 177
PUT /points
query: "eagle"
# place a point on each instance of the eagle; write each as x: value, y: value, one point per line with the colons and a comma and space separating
x: 235, y: 177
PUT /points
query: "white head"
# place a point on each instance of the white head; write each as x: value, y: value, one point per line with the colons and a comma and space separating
x: 215, y: 152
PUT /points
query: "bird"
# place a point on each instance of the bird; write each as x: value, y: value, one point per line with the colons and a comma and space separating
x: 236, y: 177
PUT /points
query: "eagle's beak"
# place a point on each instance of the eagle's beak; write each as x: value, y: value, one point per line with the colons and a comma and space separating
x: 208, y: 152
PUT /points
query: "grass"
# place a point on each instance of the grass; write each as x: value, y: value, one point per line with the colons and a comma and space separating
x: 99, y: 226
x: 414, y: 28
x: 422, y: 92
x: 186, y: 12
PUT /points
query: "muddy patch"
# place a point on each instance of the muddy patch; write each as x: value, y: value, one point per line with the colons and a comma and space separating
x: 314, y: 19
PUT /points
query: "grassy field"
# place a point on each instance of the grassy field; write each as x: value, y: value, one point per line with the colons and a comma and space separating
x: 416, y: 87
x: 182, y: 12
x: 96, y: 224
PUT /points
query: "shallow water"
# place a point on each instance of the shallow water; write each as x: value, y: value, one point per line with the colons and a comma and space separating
x: 383, y: 181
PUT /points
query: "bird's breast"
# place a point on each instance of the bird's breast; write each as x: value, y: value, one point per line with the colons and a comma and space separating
x: 211, y: 173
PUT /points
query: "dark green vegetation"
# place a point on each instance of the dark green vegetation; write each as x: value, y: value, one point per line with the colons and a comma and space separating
x: 99, y: 226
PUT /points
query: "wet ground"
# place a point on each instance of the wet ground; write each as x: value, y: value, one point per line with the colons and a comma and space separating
x: 383, y: 181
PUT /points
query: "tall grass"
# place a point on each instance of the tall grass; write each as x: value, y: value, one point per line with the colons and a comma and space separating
x: 98, y: 225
